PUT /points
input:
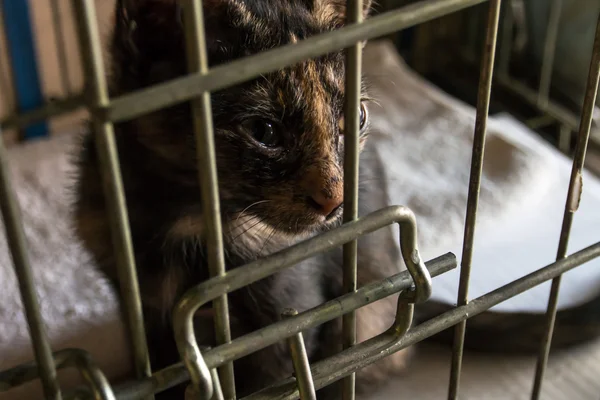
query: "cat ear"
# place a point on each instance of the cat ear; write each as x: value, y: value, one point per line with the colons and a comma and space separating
x: 152, y: 24
x: 138, y: 21
x: 333, y: 12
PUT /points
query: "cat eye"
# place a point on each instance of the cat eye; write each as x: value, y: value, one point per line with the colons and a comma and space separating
x: 363, y: 116
x: 263, y: 131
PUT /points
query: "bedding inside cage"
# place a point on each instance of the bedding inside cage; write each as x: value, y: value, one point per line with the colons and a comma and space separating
x: 424, y: 138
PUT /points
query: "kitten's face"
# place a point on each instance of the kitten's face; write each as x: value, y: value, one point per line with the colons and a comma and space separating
x: 280, y: 138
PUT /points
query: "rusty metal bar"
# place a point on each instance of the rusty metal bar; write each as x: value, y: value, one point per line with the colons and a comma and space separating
x: 61, y: 48
x: 49, y: 110
x: 571, y: 206
x: 363, y: 354
x: 483, y: 105
x: 207, y: 170
x: 15, y: 236
x: 353, y: 78
x: 87, y: 26
x: 549, y: 51
x: 304, y: 380
x: 259, y: 269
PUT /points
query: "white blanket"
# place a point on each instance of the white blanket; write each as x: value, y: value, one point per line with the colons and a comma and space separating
x: 423, y: 137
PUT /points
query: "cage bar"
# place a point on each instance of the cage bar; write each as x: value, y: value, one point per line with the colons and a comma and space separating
x: 15, y: 236
x: 5, y: 86
x: 306, y: 386
x: 92, y: 61
x: 199, y: 295
x: 363, y: 354
x: 66, y: 358
x: 217, y: 391
x: 549, y: 51
x: 182, y: 89
x: 571, y: 206
x: 353, y: 78
x: 49, y: 110
x: 483, y: 105
x: 201, y: 366
x: 207, y: 169
x: 273, y: 333
x: 178, y: 90
x: 61, y: 48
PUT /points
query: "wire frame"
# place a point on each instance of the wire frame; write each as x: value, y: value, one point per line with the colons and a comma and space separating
x: 200, y: 366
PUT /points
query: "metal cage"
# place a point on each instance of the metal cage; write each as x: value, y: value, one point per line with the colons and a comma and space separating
x: 200, y: 366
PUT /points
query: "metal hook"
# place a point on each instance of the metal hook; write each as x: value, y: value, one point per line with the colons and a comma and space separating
x: 404, y: 317
x: 203, y: 379
x: 209, y: 290
x: 77, y: 358
x: 412, y: 259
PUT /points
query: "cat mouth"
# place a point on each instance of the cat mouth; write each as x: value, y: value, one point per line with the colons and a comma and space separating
x: 335, y: 214
x: 324, y: 222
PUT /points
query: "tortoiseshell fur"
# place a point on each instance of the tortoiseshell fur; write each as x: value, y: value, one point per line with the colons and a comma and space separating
x: 265, y: 192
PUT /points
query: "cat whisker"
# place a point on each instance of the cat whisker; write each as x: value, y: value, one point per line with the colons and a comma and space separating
x: 251, y: 205
x: 250, y: 218
x: 247, y: 229
x: 273, y: 231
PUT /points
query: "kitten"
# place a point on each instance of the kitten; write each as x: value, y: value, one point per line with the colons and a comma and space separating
x: 279, y: 146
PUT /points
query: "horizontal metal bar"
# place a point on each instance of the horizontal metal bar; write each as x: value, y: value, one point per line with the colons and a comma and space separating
x: 244, y: 345
x: 49, y: 110
x: 553, y: 109
x: 530, y: 95
x: 194, y: 298
x: 363, y: 354
x: 182, y: 89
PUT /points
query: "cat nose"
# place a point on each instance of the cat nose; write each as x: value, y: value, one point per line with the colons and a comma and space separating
x: 325, y: 205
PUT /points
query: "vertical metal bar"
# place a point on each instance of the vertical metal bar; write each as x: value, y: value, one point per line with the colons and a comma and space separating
x: 22, y: 55
x: 564, y: 139
x: 207, y: 169
x: 483, y: 104
x: 5, y: 92
x: 61, y: 48
x: 217, y: 391
x: 306, y: 386
x: 18, y: 249
x: 87, y: 25
x: 572, y: 203
x: 354, y: 15
x: 549, y: 50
